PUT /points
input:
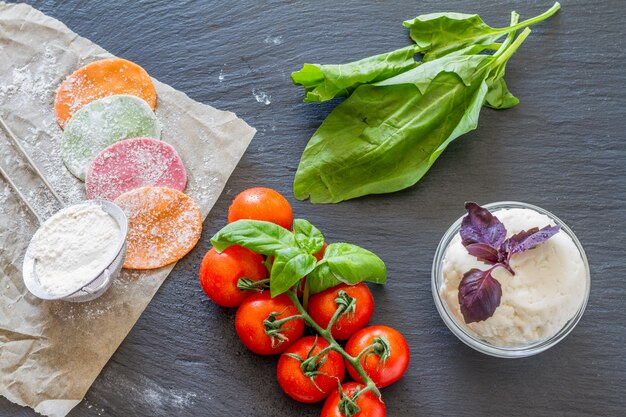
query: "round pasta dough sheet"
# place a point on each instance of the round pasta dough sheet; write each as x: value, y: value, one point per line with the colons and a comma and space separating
x: 134, y: 163
x: 102, y: 123
x: 163, y: 226
x: 100, y: 79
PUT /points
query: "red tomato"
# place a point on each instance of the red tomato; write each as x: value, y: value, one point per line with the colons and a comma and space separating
x: 219, y: 273
x: 385, y: 372
x: 369, y: 404
x: 322, y: 306
x: 261, y: 204
x: 296, y: 381
x: 249, y: 323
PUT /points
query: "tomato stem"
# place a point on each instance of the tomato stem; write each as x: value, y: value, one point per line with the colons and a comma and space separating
x: 305, y: 294
x: 247, y: 284
x: 345, y: 304
x: 327, y: 335
x: 280, y: 322
x: 274, y: 328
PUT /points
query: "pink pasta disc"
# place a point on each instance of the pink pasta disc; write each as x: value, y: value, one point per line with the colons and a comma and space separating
x: 134, y: 163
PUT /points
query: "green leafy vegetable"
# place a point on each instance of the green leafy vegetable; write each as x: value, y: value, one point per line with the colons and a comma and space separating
x: 261, y: 237
x: 438, y: 34
x: 290, y: 265
x: 324, y: 82
x: 343, y: 262
x: 308, y: 237
x: 293, y: 259
x: 385, y: 136
x: 499, y: 96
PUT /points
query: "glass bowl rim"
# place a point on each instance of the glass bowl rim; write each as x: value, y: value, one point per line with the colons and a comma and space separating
x: 473, y: 340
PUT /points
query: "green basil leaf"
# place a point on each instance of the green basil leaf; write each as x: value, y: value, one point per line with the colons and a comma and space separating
x: 259, y: 236
x: 290, y: 266
x: 351, y: 264
x: 324, y: 82
x: 308, y: 237
x: 438, y: 34
x: 322, y: 278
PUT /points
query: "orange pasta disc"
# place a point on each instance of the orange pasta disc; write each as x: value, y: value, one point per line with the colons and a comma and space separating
x: 101, y: 79
x: 163, y: 226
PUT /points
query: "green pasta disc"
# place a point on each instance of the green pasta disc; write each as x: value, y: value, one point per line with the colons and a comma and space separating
x: 102, y: 123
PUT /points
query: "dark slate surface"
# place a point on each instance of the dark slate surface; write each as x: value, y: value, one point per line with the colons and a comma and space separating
x: 562, y: 148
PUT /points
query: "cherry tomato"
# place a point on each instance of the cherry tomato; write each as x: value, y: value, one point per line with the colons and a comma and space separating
x: 391, y: 347
x: 369, y: 404
x: 219, y: 273
x: 294, y: 376
x: 322, y: 306
x: 259, y: 309
x: 261, y: 204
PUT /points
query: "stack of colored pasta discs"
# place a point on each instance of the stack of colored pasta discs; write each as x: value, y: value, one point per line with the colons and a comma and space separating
x: 111, y: 140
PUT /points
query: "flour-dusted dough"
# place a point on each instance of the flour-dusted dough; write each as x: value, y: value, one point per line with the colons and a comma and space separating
x: 102, y: 123
x: 134, y: 163
x: 163, y: 226
x: 100, y: 79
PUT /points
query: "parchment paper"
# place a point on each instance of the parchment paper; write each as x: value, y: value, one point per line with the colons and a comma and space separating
x: 51, y: 352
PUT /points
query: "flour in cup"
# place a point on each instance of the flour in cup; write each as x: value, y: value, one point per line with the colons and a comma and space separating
x: 73, y: 247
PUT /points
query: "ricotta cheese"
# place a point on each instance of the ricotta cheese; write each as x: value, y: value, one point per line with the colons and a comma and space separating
x: 546, y: 291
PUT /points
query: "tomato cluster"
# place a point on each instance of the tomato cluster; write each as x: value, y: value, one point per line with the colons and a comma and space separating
x: 311, y: 368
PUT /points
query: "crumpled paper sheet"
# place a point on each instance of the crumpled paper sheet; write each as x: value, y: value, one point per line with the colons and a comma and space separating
x: 51, y: 352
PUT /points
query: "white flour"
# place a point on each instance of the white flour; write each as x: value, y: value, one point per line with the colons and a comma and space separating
x: 73, y: 246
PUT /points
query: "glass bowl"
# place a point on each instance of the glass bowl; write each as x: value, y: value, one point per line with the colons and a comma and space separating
x: 465, y: 334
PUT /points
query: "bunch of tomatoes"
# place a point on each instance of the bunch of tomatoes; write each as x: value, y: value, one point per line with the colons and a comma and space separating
x: 310, y: 368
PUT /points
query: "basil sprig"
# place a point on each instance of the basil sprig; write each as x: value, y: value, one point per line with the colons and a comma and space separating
x: 350, y: 264
x: 294, y: 255
x: 261, y: 237
x: 308, y: 237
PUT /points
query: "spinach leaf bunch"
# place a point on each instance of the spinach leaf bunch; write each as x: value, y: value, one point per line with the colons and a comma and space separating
x: 400, y: 114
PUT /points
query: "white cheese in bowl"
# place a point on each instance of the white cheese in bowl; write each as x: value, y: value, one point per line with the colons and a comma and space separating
x: 74, y: 246
x: 548, y: 287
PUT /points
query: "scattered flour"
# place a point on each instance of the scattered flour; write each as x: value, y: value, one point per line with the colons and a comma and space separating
x: 147, y: 392
x: 73, y: 246
x: 261, y: 96
x: 273, y: 40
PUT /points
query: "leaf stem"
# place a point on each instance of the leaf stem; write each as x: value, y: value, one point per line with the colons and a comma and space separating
x: 543, y: 16
x: 510, y: 36
x: 512, y: 48
x: 326, y: 334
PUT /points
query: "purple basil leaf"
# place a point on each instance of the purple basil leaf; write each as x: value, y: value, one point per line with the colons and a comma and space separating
x: 483, y: 252
x: 479, y: 295
x: 529, y: 239
x: 480, y: 226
